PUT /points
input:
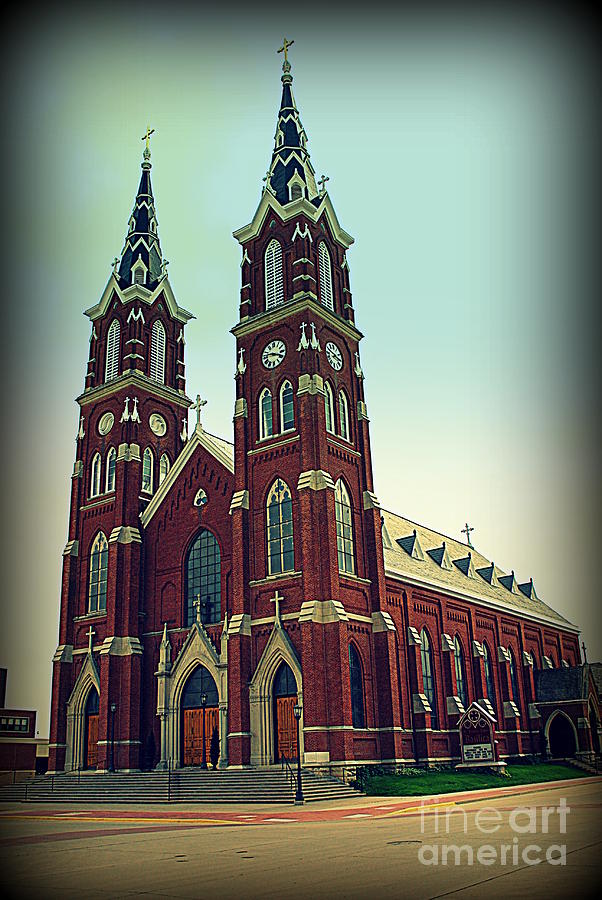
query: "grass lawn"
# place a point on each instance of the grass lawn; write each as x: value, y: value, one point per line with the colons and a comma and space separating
x: 449, y: 780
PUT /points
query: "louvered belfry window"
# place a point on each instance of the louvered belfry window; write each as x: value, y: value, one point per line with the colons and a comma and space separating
x: 157, y: 352
x: 274, y: 282
x: 112, y: 363
x: 325, y: 271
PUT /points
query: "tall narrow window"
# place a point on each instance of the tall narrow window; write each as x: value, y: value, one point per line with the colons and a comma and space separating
x: 513, y: 679
x: 281, y: 554
x: 428, y: 675
x: 163, y: 468
x: 460, y: 671
x: 287, y: 410
x: 265, y: 414
x: 329, y: 407
x: 489, y: 677
x: 274, y: 281
x: 95, y: 475
x: 111, y: 457
x: 147, y: 471
x: 157, y: 352
x: 99, y: 558
x: 112, y: 360
x: 356, y: 679
x: 325, y: 270
x: 344, y: 520
x: 344, y: 415
x: 203, y: 579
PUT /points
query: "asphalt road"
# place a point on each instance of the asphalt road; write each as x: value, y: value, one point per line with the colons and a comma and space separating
x: 368, y: 848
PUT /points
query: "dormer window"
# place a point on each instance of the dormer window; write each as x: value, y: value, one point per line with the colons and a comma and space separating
x: 296, y: 192
x: 296, y: 187
x: 138, y: 276
x: 279, y: 138
x: 139, y: 271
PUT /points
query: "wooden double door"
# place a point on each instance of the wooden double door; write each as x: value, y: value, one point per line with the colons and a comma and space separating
x: 91, y: 741
x: 193, y: 734
x: 285, y: 732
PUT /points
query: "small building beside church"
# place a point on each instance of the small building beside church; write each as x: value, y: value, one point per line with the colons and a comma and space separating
x: 213, y: 583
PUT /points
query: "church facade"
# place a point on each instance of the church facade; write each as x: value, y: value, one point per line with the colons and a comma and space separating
x: 211, y: 590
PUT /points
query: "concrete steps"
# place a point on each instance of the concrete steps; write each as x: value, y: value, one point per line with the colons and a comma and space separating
x: 271, y: 785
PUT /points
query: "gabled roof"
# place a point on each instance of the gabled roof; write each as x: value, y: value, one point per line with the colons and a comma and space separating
x: 491, y: 586
x: 221, y: 450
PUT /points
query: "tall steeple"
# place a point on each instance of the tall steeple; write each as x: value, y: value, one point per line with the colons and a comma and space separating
x: 142, y: 240
x: 291, y: 174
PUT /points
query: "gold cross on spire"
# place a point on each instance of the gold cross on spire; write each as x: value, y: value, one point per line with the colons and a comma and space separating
x: 146, y: 137
x: 285, y: 45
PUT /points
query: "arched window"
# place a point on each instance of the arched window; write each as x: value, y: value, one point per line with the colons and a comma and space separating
x: 112, y: 360
x: 99, y: 559
x: 296, y: 191
x: 157, y: 352
x: 147, y: 471
x: 344, y: 415
x: 287, y: 409
x: 513, y: 678
x: 203, y: 579
x: 200, y: 682
x: 356, y: 679
x: 489, y: 677
x: 325, y: 270
x: 344, y: 520
x: 428, y: 675
x: 266, y: 425
x: 163, y: 467
x: 95, y: 475
x: 329, y: 407
x: 460, y: 671
x: 111, y: 457
x: 274, y: 282
x: 281, y: 553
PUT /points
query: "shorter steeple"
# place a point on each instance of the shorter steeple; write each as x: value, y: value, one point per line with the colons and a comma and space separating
x: 291, y: 174
x: 141, y: 260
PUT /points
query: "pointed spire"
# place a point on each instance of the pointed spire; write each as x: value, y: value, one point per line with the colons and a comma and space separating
x: 291, y: 174
x: 141, y: 260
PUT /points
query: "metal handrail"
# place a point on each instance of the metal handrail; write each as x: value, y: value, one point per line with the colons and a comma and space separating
x: 285, y: 766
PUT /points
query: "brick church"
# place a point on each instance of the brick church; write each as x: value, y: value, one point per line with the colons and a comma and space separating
x: 209, y: 587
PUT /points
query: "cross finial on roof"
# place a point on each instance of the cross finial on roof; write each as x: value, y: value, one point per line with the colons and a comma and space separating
x: 146, y: 137
x: 584, y: 648
x: 285, y: 45
x: 322, y: 182
x: 276, y: 599
x: 466, y: 530
x: 90, y: 633
x: 198, y: 406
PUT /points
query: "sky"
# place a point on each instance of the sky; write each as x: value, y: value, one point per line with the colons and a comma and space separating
x: 458, y: 151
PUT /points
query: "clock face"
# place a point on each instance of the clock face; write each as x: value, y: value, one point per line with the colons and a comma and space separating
x: 333, y: 355
x: 157, y: 424
x: 105, y: 422
x: 273, y: 354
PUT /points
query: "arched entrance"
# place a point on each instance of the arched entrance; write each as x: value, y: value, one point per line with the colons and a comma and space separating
x: 199, y: 685
x: 285, y: 724
x: 561, y: 735
x: 91, y: 731
x: 593, y: 724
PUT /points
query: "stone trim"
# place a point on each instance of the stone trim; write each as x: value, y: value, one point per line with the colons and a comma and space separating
x: 477, y: 651
x: 371, y: 501
x: 420, y: 703
x: 128, y: 453
x: 63, y: 653
x: 362, y: 411
x: 503, y: 654
x: 241, y: 408
x: 382, y: 621
x: 78, y: 469
x: 240, y: 500
x: 414, y: 639
x: 511, y: 710
x: 447, y: 644
x: 71, y: 548
x: 121, y: 646
x: 310, y: 384
x: 315, y: 480
x: 240, y: 623
x: 322, y: 611
x: 454, y: 705
x: 125, y: 534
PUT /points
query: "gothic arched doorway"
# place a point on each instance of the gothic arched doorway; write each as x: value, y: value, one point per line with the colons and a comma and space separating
x: 562, y: 737
x: 91, y: 731
x: 200, y: 684
x: 285, y: 725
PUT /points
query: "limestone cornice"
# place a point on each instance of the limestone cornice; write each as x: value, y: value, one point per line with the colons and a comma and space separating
x: 292, y: 211
x: 305, y: 300
x: 136, y: 379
